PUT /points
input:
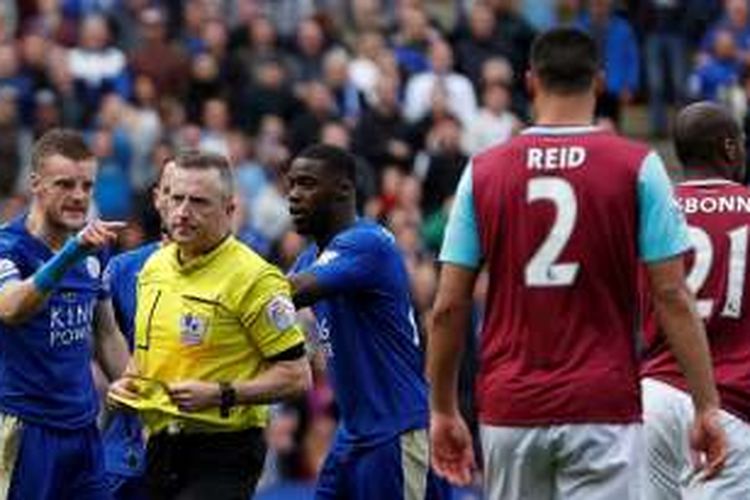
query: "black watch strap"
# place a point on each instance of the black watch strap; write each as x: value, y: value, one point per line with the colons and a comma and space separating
x: 228, y: 398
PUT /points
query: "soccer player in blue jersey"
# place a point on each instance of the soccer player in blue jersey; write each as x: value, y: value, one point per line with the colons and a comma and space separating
x: 124, y: 449
x: 54, y: 318
x: 355, y: 279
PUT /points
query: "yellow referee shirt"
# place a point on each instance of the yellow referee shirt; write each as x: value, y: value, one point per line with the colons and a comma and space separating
x: 214, y: 319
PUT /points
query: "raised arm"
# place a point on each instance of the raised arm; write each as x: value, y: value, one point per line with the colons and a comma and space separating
x: 22, y: 298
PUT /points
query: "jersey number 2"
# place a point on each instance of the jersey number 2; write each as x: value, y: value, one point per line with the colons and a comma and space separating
x: 542, y: 270
x: 704, y: 257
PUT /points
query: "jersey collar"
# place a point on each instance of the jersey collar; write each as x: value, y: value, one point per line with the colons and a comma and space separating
x: 561, y: 130
x: 710, y: 181
x: 203, y: 260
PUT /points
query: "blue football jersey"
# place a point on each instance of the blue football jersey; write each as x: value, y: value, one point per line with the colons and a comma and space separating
x: 45, y: 372
x: 124, y: 450
x: 120, y: 282
x: 366, y: 328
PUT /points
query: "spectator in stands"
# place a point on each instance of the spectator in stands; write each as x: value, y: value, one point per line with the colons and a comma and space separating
x: 734, y: 20
x: 145, y: 128
x: 618, y: 47
x: 215, y: 132
x: 412, y: 40
x: 34, y: 53
x: 194, y: 16
x: 46, y: 114
x: 12, y: 78
x: 714, y: 78
x: 381, y: 135
x: 443, y: 163
x: 460, y: 96
x: 666, y: 56
x: 12, y: 139
x: 97, y: 67
x: 205, y: 83
x: 310, y: 47
x: 269, y: 94
x: 287, y: 15
x: 363, y: 68
x: 347, y: 98
x: 319, y: 109
x: 250, y: 175
x: 156, y: 57
x: 495, y: 123
x: 515, y: 33
x: 256, y: 43
x: 479, y: 44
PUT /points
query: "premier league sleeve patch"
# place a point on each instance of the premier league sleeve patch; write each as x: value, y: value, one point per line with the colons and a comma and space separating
x: 193, y: 329
x: 281, y: 312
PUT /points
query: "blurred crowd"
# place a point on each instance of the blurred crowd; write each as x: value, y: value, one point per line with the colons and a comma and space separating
x: 413, y: 88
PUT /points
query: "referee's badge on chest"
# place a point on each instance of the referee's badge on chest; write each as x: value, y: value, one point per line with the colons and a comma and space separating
x: 193, y: 328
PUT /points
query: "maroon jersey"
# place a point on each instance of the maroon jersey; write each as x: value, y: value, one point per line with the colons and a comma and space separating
x: 718, y: 215
x: 562, y: 218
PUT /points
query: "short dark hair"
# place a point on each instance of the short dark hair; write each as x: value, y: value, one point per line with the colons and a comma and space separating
x: 334, y: 158
x: 59, y: 141
x: 202, y: 160
x: 699, y: 132
x: 565, y: 60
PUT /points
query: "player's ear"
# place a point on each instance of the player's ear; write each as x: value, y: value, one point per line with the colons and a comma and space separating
x: 231, y: 205
x: 730, y: 150
x: 344, y: 189
x: 531, y: 83
x: 600, y: 84
x: 35, y: 181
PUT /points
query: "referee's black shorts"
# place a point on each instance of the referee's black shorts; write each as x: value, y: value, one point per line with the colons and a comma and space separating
x: 210, y: 466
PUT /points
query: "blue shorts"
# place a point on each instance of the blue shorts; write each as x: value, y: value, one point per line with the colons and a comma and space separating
x: 44, y: 463
x: 397, y: 470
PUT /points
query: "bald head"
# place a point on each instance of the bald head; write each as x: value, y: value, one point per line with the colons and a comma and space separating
x: 708, y: 138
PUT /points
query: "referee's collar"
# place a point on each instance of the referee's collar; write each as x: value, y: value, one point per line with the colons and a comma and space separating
x: 202, y: 260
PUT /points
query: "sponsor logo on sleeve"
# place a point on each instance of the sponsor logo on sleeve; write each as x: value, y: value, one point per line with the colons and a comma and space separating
x: 281, y: 312
x: 327, y: 257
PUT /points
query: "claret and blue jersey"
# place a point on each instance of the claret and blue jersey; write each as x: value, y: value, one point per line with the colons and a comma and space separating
x: 366, y: 327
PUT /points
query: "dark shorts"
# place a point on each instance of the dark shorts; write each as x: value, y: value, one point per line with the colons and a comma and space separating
x: 47, y: 463
x: 397, y: 470
x: 212, y: 466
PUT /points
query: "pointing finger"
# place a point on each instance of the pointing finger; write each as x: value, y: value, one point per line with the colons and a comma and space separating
x: 113, y: 225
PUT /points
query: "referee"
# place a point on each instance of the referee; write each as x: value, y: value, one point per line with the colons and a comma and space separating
x: 216, y: 339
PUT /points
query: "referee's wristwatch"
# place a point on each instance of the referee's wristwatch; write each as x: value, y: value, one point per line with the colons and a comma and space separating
x: 228, y: 398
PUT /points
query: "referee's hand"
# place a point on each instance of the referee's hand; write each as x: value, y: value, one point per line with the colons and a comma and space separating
x: 452, y: 452
x: 123, y: 388
x: 195, y: 395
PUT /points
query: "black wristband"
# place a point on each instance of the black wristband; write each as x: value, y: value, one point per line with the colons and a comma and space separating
x: 228, y: 398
